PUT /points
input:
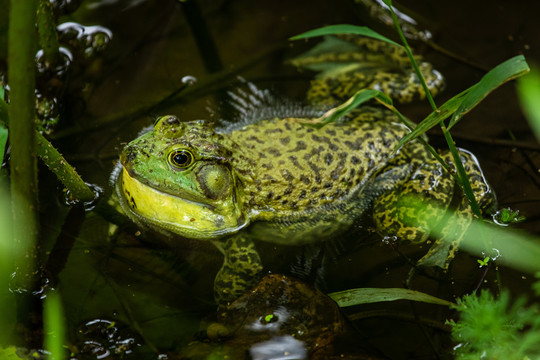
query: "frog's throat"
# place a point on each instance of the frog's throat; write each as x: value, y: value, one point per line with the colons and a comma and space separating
x: 190, y: 219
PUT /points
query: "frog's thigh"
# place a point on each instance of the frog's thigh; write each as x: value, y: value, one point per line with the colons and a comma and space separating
x: 239, y: 272
x: 407, y: 211
x: 444, y: 249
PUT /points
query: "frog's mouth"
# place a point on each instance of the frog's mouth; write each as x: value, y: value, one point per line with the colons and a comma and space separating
x: 187, y: 218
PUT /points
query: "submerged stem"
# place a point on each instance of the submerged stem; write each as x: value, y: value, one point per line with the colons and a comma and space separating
x: 63, y: 170
x: 23, y: 164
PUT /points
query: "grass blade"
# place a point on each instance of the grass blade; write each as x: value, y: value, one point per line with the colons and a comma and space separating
x: 54, y: 327
x: 529, y: 96
x: 506, y: 71
x: 373, y: 295
x: 435, y: 118
x: 344, y: 29
x: 3, y: 140
x: 356, y: 100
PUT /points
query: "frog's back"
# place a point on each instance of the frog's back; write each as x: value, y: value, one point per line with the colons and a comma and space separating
x: 290, y: 168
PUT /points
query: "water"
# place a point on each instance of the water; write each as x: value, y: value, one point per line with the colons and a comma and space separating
x: 127, y: 294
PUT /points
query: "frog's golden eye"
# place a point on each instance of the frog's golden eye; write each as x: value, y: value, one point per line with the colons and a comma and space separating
x: 180, y: 159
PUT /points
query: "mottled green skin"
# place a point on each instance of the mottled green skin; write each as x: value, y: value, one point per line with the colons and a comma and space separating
x: 275, y: 179
x: 366, y: 63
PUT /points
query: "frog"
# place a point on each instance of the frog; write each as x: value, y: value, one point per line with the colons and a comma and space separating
x: 273, y: 178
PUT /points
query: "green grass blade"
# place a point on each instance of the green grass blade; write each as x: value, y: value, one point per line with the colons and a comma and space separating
x: 3, y: 141
x: 7, y: 253
x: 435, y: 118
x: 518, y: 249
x: 344, y: 29
x: 506, y: 71
x: 462, y: 174
x: 3, y: 108
x: 356, y: 100
x: 528, y: 88
x: 374, y: 295
x: 54, y: 327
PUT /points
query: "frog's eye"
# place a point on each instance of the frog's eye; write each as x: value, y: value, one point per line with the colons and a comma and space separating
x: 180, y: 159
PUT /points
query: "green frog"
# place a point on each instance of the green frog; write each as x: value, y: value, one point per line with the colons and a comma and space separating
x: 273, y: 178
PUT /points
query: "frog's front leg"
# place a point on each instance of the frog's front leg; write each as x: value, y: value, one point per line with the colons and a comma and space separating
x: 240, y: 271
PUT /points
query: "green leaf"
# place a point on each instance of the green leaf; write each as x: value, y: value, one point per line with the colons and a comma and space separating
x: 373, y: 295
x: 506, y: 71
x: 3, y: 141
x: 344, y: 29
x: 444, y: 111
x: 356, y: 100
x: 529, y: 96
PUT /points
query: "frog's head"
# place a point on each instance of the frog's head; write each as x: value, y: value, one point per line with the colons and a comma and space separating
x: 178, y: 178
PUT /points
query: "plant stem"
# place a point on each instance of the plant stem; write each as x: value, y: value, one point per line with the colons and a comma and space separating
x: 23, y: 164
x: 48, y: 38
x: 202, y: 36
x: 411, y: 57
x: 23, y: 167
x: 462, y: 175
x: 64, y: 171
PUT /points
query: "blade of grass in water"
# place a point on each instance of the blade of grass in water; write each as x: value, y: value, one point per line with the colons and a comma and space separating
x: 343, y: 29
x: 373, y: 295
x: 356, y: 100
x: 3, y: 140
x: 517, y: 249
x: 7, y: 253
x: 502, y: 73
x: 54, y: 327
x: 435, y: 118
x: 529, y: 95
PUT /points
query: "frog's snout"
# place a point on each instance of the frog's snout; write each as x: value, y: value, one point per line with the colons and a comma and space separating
x: 128, y: 155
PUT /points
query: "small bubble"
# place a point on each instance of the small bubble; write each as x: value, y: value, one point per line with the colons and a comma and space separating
x: 189, y: 80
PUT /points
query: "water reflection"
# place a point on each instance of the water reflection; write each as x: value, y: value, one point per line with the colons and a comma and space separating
x: 279, y: 348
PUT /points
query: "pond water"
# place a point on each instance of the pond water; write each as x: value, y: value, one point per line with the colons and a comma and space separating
x: 124, y: 293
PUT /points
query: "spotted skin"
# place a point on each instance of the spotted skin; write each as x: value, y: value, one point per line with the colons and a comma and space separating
x: 371, y: 64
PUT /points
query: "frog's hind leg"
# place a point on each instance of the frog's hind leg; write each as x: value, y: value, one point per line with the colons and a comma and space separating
x: 417, y: 209
x: 407, y: 211
x: 454, y: 225
x: 240, y: 271
x: 456, y: 222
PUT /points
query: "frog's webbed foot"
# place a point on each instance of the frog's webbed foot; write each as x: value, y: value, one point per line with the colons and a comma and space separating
x: 240, y: 271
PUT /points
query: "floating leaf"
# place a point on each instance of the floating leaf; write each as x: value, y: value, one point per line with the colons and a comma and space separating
x: 373, y: 295
x: 506, y: 71
x: 344, y: 29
